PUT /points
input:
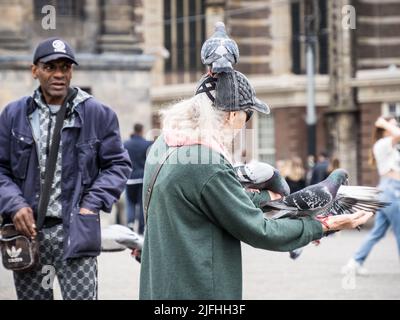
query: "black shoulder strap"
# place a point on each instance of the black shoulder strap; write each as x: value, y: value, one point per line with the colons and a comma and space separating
x: 149, y: 190
x: 52, y: 159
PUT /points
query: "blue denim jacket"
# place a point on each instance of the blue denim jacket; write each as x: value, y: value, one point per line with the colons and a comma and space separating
x: 95, y: 168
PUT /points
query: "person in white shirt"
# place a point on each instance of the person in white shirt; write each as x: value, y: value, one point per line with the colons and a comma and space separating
x: 385, y: 155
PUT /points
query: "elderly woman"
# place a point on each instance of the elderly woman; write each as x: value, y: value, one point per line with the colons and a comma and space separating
x: 199, y: 212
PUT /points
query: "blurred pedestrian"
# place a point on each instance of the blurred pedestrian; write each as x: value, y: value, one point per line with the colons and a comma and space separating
x: 334, y: 164
x: 320, y: 170
x: 309, y: 168
x: 295, y: 174
x: 386, y: 157
x: 137, y: 148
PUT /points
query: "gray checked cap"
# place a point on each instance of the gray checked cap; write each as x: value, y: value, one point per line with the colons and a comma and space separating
x: 231, y: 92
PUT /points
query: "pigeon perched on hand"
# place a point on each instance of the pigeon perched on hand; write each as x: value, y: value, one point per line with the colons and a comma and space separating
x: 328, y: 197
x: 262, y: 176
x: 219, y: 52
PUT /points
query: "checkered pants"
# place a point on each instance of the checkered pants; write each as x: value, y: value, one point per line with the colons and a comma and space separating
x: 77, y: 277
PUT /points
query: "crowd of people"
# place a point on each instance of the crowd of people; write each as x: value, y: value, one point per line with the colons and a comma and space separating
x: 298, y: 175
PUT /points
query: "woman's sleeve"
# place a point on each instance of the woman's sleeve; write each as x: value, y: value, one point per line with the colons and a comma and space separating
x: 226, y: 202
x: 258, y: 197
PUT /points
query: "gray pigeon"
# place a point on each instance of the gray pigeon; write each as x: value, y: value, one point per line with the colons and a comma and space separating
x: 328, y: 197
x: 118, y: 238
x: 262, y: 176
x: 219, y: 52
x: 348, y: 200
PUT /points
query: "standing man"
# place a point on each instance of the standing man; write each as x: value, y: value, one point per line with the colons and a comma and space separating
x: 137, y: 148
x: 91, y: 171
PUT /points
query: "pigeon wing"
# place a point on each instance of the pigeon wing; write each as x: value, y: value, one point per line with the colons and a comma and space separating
x: 312, y: 197
x: 208, y: 49
x: 308, y: 201
x: 353, y: 198
x: 348, y: 205
x: 233, y: 50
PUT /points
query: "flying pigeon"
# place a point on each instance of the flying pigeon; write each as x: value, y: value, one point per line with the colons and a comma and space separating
x: 262, y: 176
x: 328, y: 197
x: 219, y: 52
x: 118, y: 238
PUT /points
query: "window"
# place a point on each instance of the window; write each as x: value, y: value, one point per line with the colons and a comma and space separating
x: 266, y: 138
x: 66, y: 8
x: 319, y: 25
x: 391, y: 109
x: 184, y: 34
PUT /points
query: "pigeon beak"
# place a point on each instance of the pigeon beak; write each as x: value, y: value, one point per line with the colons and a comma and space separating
x: 346, y: 182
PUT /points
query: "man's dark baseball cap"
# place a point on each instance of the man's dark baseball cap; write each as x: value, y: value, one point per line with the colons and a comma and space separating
x: 52, y: 49
x: 231, y: 92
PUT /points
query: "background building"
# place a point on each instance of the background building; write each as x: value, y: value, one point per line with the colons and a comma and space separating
x: 108, y: 39
x: 139, y: 55
x: 356, y: 78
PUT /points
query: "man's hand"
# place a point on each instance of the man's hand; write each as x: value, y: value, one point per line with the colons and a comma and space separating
x: 346, y: 221
x: 24, y: 222
x: 86, y: 211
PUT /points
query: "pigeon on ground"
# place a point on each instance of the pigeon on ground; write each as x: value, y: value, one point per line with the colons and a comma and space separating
x: 117, y: 237
x: 219, y: 52
x: 262, y: 176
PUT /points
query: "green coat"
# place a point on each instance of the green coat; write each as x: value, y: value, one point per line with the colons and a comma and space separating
x: 197, y: 217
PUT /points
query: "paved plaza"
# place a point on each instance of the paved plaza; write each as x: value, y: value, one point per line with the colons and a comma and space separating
x: 273, y: 275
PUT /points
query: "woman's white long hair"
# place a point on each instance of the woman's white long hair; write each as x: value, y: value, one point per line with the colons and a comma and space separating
x: 196, y: 119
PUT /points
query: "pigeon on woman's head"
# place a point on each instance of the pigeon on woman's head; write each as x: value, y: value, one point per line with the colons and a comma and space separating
x: 219, y: 52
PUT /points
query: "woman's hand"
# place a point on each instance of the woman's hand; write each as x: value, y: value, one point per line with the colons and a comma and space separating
x: 345, y: 221
x: 274, y: 196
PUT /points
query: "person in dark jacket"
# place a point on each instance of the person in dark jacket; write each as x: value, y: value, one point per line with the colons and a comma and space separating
x: 137, y: 148
x: 320, y: 170
x: 92, y: 168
